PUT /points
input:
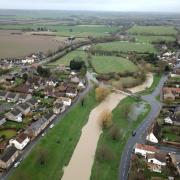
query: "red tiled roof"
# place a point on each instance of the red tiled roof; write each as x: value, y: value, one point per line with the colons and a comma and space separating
x: 146, y: 147
x: 169, y: 90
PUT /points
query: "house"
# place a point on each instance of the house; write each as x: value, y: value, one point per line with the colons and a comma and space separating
x: 75, y: 80
x: 12, y: 97
x: 2, y: 120
x: 50, y: 116
x: 25, y: 108
x: 24, y: 97
x: 176, y: 161
x: 32, y: 103
x: 24, y: 88
x: 168, y: 120
x: 8, y: 157
x: 3, y: 95
x: 143, y: 149
x: 14, y: 115
x: 35, y: 128
x: 171, y: 93
x: 81, y: 86
x: 51, y: 83
x: 59, y: 108
x: 28, y: 60
x: 71, y: 92
x: 20, y: 141
x: 158, y: 158
x: 66, y: 101
x: 153, y: 133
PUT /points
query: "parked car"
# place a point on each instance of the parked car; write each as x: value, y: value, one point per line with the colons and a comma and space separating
x: 133, y: 133
x: 17, y: 164
x: 51, y: 126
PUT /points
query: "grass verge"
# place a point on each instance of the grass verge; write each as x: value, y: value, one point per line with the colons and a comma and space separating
x: 58, y: 143
x: 109, y: 169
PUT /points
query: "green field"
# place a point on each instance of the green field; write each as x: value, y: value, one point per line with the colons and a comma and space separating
x: 70, y: 56
x: 58, y: 143
x: 109, y: 169
x: 125, y: 47
x: 109, y: 64
x: 153, y: 30
x: 150, y: 39
x: 62, y: 30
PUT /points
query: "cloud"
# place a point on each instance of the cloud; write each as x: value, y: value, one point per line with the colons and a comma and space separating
x: 110, y: 5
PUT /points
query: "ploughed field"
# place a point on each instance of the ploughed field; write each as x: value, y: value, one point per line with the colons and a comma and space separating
x: 110, y: 64
x: 153, y: 30
x: 125, y: 47
x: 20, y: 45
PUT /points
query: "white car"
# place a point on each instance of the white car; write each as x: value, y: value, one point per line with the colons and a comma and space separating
x: 51, y: 126
x: 43, y: 134
x: 17, y: 164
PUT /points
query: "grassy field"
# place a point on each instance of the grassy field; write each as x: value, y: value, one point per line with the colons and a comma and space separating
x: 67, y: 58
x: 153, y: 30
x: 108, y: 64
x: 109, y: 169
x: 150, y: 39
x: 59, y: 144
x: 8, y: 133
x: 126, y: 47
x: 62, y: 30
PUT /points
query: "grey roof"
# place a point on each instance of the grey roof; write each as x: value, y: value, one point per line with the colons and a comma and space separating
x: 32, y: 101
x: 36, y: 125
x: 22, y: 96
x: 15, y: 112
x: 48, y: 115
x: 11, y: 95
x: 59, y: 105
x: 1, y: 117
x: 8, y: 153
x: 24, y: 106
x: 3, y: 93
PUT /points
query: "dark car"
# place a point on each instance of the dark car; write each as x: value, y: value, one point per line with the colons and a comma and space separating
x: 133, y: 133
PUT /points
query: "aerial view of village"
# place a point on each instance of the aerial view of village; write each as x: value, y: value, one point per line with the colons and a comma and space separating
x: 90, y: 90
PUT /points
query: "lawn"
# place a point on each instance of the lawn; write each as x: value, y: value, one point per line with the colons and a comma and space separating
x: 67, y: 58
x: 9, y: 133
x: 108, y: 64
x: 126, y: 47
x: 153, y: 30
x: 58, y: 143
x: 109, y: 169
x: 150, y: 39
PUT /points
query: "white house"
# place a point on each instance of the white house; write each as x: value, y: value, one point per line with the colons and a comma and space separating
x: 66, y: 101
x: 28, y: 61
x: 143, y: 149
x: 14, y: 115
x: 152, y: 138
x: 81, y: 85
x: 168, y: 120
x: 20, y: 142
x: 157, y: 158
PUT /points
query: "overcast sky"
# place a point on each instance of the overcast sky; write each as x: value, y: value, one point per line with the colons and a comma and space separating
x: 104, y: 5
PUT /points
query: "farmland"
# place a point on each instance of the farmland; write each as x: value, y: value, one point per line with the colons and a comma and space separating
x: 62, y: 30
x: 70, y: 56
x: 109, y: 64
x: 125, y: 47
x: 19, y: 45
x: 150, y: 39
x: 153, y: 30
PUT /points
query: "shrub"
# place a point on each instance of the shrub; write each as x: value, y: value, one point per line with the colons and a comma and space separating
x: 104, y: 153
x: 114, y: 133
x: 106, y: 119
x: 101, y: 93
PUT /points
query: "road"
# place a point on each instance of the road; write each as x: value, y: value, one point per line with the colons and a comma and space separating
x: 59, y: 117
x: 141, y: 130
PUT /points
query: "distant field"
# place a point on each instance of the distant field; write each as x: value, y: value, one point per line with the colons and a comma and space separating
x: 150, y: 39
x: 126, y: 47
x: 66, y: 59
x: 108, y: 64
x: 23, y: 45
x: 78, y: 31
x: 153, y: 30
